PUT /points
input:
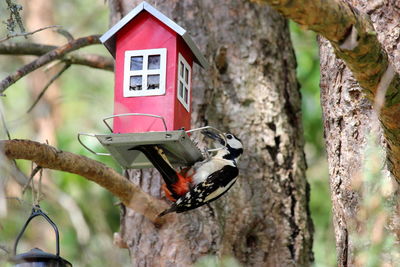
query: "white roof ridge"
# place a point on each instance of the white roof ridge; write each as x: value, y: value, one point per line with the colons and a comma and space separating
x: 108, y: 38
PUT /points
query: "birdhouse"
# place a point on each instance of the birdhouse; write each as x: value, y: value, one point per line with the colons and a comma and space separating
x: 154, y: 59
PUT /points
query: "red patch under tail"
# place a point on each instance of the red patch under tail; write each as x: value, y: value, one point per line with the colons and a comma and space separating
x: 181, y: 187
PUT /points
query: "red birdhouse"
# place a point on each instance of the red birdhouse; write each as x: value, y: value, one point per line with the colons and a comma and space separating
x: 153, y: 71
x: 154, y: 58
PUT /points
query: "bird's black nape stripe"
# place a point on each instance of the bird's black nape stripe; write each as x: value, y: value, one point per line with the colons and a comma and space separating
x: 233, y: 153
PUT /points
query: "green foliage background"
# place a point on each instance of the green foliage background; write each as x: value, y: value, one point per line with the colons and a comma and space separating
x: 306, y: 50
x: 86, y: 97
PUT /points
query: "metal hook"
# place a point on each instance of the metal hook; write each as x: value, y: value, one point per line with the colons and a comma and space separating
x: 37, y: 211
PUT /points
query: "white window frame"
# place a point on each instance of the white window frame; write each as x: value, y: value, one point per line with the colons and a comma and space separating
x: 144, y: 72
x: 181, y: 59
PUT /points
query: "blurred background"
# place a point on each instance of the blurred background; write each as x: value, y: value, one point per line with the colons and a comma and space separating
x: 86, y: 214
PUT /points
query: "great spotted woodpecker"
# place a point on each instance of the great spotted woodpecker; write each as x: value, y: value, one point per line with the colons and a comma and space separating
x: 211, y: 178
x: 202, y: 183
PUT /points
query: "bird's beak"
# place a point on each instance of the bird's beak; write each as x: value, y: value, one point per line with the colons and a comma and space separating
x: 214, y: 136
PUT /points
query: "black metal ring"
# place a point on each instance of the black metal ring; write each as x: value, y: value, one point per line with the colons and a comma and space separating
x: 37, y: 211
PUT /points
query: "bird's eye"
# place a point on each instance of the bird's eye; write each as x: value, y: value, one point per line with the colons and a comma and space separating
x: 229, y: 136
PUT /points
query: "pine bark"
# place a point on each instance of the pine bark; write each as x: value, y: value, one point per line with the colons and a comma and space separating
x: 252, y: 91
x: 348, y: 120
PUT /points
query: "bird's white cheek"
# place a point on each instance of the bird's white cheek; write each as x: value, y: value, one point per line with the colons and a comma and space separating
x: 235, y: 144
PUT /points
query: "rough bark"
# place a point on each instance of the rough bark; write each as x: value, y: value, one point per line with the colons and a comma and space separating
x: 252, y: 91
x: 348, y: 120
x: 346, y: 116
x: 354, y: 40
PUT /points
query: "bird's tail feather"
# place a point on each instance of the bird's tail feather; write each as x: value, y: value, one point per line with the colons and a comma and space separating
x: 157, y: 157
x: 165, y: 212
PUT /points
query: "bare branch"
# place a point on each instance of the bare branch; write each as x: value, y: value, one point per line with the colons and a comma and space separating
x: 51, y: 158
x: 90, y: 60
x: 25, y: 48
x: 66, y: 34
x: 351, y: 34
x: 25, y: 34
x: 33, y: 173
x: 57, y: 53
x: 55, y: 77
x: 4, y: 248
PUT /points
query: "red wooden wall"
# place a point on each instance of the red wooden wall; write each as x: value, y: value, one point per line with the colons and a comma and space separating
x: 147, y: 32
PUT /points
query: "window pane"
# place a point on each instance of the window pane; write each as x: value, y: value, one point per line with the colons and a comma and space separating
x: 137, y: 63
x: 182, y: 67
x: 186, y: 95
x: 153, y: 82
x: 186, y: 76
x: 136, y: 83
x: 154, y: 62
x: 180, y: 89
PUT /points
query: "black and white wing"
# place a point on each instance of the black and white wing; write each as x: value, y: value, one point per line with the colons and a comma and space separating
x: 216, y: 184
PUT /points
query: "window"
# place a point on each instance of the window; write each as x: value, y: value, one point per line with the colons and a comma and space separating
x: 184, y: 74
x: 144, y: 72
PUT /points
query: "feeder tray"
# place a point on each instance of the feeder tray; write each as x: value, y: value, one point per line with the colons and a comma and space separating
x: 178, y: 148
x: 177, y: 145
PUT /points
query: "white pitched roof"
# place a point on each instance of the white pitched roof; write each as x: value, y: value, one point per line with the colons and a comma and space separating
x: 108, y: 39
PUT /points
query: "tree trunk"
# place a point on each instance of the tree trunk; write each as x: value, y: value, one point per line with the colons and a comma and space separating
x: 264, y: 219
x: 348, y: 120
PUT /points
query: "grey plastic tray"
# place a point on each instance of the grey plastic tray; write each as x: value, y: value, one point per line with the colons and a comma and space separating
x: 180, y: 150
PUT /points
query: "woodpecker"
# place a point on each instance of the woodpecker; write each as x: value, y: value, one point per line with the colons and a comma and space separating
x: 211, y: 178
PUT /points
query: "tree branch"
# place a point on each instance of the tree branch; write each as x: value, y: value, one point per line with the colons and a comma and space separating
x: 55, y: 77
x: 90, y: 60
x: 57, y: 53
x: 24, y: 34
x: 49, y: 157
x: 354, y: 40
x: 26, y: 48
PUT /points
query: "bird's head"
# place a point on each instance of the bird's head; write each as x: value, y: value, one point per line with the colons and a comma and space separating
x: 234, y: 147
